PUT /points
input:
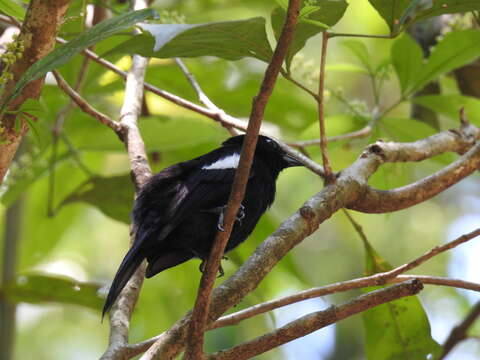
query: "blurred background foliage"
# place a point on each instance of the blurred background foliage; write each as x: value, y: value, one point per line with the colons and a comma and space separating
x: 72, y: 213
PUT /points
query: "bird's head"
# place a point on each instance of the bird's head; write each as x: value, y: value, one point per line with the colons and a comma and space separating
x: 269, y: 151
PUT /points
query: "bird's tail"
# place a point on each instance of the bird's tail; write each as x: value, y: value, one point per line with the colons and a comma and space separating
x: 130, y: 263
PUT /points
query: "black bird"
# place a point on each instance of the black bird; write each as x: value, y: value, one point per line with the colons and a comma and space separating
x: 179, y: 210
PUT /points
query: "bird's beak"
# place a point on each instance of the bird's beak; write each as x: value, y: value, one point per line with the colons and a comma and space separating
x: 291, y: 161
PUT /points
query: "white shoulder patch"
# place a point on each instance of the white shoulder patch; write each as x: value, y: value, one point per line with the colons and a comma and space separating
x: 228, y: 162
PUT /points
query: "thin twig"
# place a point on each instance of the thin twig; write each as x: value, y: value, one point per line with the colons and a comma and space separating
x: 288, y: 77
x: 57, y: 131
x: 329, y: 177
x: 237, y: 317
x: 200, y: 311
x: 364, y: 132
x: 202, y: 97
x: 370, y: 36
x: 374, y: 280
x: 317, y: 320
x: 358, y: 228
x: 459, y: 332
x: 85, y: 106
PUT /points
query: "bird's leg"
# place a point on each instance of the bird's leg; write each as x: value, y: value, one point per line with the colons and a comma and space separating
x: 220, y: 210
x: 203, y: 264
x: 241, y: 214
x: 239, y: 218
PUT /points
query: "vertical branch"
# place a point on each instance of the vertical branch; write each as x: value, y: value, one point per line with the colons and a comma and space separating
x: 123, y: 308
x: 38, y: 34
x: 202, y: 304
x: 13, y: 224
x: 321, y: 112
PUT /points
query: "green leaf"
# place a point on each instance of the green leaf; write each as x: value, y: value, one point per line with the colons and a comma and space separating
x: 391, y: 11
x: 11, y: 8
x: 359, y: 49
x: 450, y: 105
x: 62, y: 54
x: 174, y: 133
x: 401, y: 13
x: 111, y: 195
x: 33, y: 107
x: 440, y: 7
x: 231, y: 40
x: 407, y: 60
x: 346, y: 67
x: 456, y: 49
x: 405, y: 129
x: 399, y: 329
x: 318, y: 16
x: 40, y: 288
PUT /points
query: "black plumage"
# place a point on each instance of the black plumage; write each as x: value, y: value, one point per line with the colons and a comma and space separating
x: 179, y: 210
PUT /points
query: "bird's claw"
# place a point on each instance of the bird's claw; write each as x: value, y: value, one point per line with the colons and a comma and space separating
x: 220, y: 222
x: 203, y: 265
x: 240, y: 216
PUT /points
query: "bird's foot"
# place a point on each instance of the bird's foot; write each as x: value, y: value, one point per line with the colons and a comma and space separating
x: 239, y: 218
x: 203, y: 265
x: 241, y: 214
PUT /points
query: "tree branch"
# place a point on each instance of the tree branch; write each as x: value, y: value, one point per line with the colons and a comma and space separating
x: 123, y: 308
x: 201, y: 309
x: 374, y: 280
x: 11, y: 244
x: 382, y: 201
x: 42, y: 21
x: 317, y: 320
x: 350, y: 186
x: 85, y: 106
x: 459, y: 332
x: 329, y: 177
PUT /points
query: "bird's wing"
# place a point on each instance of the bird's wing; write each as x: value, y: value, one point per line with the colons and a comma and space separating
x: 173, y: 194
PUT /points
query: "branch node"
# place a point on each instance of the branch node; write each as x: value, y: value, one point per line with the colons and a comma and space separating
x: 307, y: 213
x: 375, y: 149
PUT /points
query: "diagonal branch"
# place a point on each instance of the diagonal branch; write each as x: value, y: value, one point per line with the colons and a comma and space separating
x: 351, y: 184
x: 200, y: 311
x: 459, y: 332
x: 202, y: 97
x: 382, y: 201
x: 374, y: 280
x: 235, y: 318
x: 84, y: 105
x: 317, y: 320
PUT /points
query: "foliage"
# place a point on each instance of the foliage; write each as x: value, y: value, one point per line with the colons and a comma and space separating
x: 228, y: 43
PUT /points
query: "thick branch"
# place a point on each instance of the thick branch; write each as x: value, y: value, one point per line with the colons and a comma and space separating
x: 38, y: 33
x: 349, y: 187
x: 200, y: 312
x: 232, y: 319
x: 317, y: 320
x: 382, y: 201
